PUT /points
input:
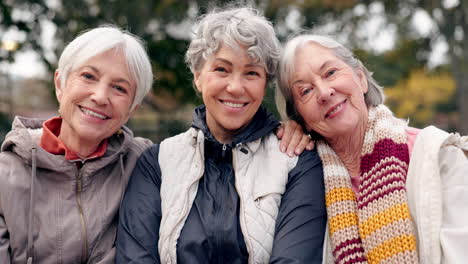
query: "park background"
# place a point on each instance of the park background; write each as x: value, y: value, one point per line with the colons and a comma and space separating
x: 417, y: 49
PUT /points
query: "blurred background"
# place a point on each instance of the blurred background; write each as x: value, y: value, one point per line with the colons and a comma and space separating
x: 417, y: 49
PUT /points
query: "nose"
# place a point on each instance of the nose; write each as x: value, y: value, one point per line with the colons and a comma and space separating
x: 324, y: 92
x: 235, y: 85
x: 100, y: 94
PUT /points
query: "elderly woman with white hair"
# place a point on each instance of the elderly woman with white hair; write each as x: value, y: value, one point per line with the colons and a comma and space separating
x: 62, y: 179
x: 394, y: 194
x: 223, y: 192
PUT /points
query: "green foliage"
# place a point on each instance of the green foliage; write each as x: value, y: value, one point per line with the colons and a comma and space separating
x: 162, y: 24
x: 170, y: 71
x: 396, y: 64
x: 422, y: 95
x: 30, y: 24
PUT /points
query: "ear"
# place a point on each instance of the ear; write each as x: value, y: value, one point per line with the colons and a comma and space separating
x: 58, y: 86
x: 363, y: 81
x: 196, y: 81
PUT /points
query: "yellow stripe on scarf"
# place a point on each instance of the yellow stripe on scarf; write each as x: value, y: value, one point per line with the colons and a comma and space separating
x: 339, y: 194
x: 392, y: 247
x: 342, y: 221
x: 381, y: 219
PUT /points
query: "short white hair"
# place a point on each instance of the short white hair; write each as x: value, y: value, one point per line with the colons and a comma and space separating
x: 101, y: 39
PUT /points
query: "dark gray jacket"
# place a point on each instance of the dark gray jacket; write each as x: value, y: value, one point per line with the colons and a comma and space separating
x: 73, y: 211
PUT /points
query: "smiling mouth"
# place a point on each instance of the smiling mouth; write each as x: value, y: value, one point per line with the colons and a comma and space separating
x: 234, y: 105
x: 93, y: 114
x: 335, y: 109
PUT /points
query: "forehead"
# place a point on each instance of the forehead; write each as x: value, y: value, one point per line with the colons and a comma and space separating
x: 235, y: 55
x: 313, y: 54
x: 112, y: 62
x: 112, y: 56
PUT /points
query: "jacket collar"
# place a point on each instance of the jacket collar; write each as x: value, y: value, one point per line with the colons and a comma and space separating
x: 26, y: 135
x: 51, y: 142
x: 261, y: 125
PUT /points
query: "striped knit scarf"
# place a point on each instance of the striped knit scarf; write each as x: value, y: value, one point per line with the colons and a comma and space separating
x: 374, y: 225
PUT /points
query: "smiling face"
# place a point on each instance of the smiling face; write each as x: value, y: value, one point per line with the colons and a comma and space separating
x: 96, y: 99
x: 232, y: 88
x: 328, y: 93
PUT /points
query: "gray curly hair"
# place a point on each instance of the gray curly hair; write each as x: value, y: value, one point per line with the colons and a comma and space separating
x: 234, y: 26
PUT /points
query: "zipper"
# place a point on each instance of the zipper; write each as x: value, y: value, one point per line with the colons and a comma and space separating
x: 223, y: 154
x: 219, y: 236
x: 79, y: 187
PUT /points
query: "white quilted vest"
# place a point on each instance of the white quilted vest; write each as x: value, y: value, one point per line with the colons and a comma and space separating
x: 261, y: 175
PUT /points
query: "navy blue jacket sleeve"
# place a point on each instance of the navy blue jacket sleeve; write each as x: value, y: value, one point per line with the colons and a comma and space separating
x: 301, y: 221
x: 140, y: 212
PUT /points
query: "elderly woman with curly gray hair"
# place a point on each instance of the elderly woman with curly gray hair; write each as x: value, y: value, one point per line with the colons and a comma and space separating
x: 223, y: 192
x: 394, y: 194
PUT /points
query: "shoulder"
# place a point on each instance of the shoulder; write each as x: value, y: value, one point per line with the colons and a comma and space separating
x: 150, y: 153
x: 309, y: 162
x: 454, y: 148
x: 428, y: 142
x: 139, y: 144
x: 14, y: 174
x: 8, y: 160
x: 187, y: 137
x: 186, y: 142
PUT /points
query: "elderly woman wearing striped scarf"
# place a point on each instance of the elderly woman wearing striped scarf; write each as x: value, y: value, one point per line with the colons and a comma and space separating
x: 394, y: 194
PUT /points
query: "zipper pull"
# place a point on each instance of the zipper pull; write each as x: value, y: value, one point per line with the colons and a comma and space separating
x: 242, y: 149
x: 223, y: 154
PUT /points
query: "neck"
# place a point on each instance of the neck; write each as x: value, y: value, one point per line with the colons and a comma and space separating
x: 223, y: 138
x: 348, y: 147
x: 79, y: 147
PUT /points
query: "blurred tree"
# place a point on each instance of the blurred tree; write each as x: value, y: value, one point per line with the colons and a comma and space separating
x: 452, y: 24
x: 166, y: 27
x: 420, y: 95
x: 25, y: 18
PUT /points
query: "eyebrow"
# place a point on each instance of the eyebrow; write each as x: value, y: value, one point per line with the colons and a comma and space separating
x: 326, y: 63
x: 118, y: 80
x: 246, y: 65
x: 323, y: 66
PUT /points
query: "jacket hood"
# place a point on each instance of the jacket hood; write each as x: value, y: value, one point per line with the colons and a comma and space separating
x: 261, y: 125
x: 26, y: 134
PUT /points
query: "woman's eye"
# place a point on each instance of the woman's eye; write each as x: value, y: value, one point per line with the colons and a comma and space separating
x: 306, y: 91
x: 330, y: 72
x: 88, y: 76
x: 120, y: 89
x: 220, y: 69
x: 254, y: 73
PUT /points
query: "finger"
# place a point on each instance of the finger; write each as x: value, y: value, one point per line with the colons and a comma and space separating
x: 289, y: 129
x: 280, y: 131
x: 310, y: 145
x: 295, y: 141
x: 305, y: 140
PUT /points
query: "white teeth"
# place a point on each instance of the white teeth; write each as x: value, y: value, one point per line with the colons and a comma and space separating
x: 335, y: 110
x: 91, y: 113
x: 233, y: 104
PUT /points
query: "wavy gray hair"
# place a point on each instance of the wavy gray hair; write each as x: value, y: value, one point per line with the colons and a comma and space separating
x: 232, y: 27
x: 373, y: 97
